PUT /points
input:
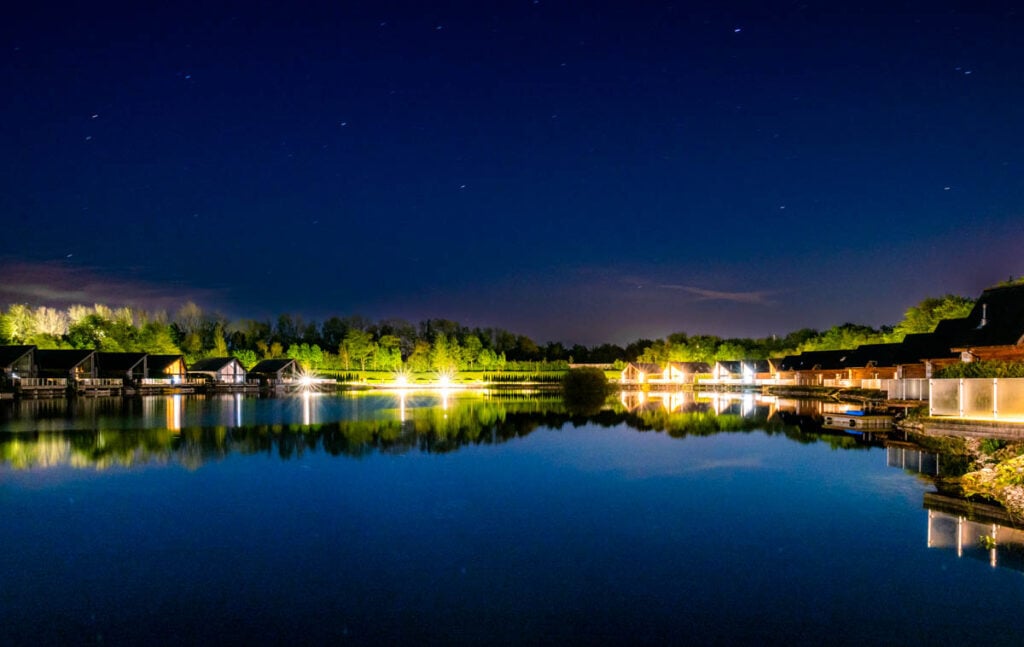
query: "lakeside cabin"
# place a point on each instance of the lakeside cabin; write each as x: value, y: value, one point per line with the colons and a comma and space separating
x: 670, y: 373
x: 129, y: 367
x: 17, y: 362
x: 66, y: 364
x: 273, y: 373
x: 218, y: 370
x: 741, y: 371
x: 167, y: 367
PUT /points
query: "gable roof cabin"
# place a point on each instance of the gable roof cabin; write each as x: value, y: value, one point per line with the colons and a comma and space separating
x: 640, y: 372
x: 162, y: 366
x: 676, y: 371
x: 17, y: 361
x: 72, y: 364
x: 740, y: 369
x: 226, y: 370
x: 995, y: 327
x: 275, y: 369
x: 126, y: 365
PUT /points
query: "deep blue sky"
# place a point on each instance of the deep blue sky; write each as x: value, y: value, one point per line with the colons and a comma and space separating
x: 574, y: 171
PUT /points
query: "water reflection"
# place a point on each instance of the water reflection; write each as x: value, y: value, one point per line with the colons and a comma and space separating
x: 192, y: 429
x: 974, y: 531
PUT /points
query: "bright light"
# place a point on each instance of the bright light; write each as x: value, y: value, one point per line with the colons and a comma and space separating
x: 444, y: 379
x: 306, y: 382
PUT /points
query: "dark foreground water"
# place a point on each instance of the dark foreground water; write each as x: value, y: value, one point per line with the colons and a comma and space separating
x: 374, y: 520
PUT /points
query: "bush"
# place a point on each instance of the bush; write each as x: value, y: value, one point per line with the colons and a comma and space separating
x: 982, y: 368
x: 585, y: 388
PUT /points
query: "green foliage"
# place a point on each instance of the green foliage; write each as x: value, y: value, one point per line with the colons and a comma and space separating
x: 435, y: 345
x: 927, y: 314
x: 585, y: 388
x: 308, y: 357
x: 357, y: 347
x: 247, y: 358
x: 846, y: 336
x: 982, y: 368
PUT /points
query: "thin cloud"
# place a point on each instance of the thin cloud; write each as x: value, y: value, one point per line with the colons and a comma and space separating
x: 60, y: 285
x: 757, y: 297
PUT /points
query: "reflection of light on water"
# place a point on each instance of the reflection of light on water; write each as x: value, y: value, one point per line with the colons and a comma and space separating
x: 238, y: 409
x: 401, y: 404
x: 444, y: 401
x: 977, y: 539
x: 173, y: 407
x: 718, y: 404
x: 307, y: 408
x: 748, y: 404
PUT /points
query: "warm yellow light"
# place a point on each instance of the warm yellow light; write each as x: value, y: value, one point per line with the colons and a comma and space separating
x: 444, y: 381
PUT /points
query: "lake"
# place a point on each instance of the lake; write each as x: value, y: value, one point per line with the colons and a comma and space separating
x: 497, y: 518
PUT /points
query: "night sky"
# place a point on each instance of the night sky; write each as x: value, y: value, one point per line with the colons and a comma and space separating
x: 573, y: 171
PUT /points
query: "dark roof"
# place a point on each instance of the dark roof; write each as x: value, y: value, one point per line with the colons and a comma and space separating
x: 692, y: 367
x: 996, y: 320
x: 816, y: 359
x: 931, y: 345
x: 119, y: 361
x: 731, y: 365
x: 11, y: 354
x: 758, y: 365
x: 875, y: 355
x: 161, y: 362
x: 211, y: 364
x: 269, y: 366
x: 61, y: 359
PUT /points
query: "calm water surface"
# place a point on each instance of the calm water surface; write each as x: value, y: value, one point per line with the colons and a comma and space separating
x: 469, y: 519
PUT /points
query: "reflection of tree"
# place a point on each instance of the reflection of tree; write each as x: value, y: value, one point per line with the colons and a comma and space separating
x: 434, y: 429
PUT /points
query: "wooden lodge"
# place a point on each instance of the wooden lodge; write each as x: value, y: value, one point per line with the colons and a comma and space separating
x: 167, y: 367
x: 995, y: 327
x: 130, y: 367
x: 16, y: 363
x: 275, y: 373
x: 28, y: 372
x: 669, y: 373
x: 748, y: 371
x: 222, y: 374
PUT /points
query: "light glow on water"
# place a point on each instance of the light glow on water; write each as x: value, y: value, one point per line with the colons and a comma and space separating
x: 375, y: 513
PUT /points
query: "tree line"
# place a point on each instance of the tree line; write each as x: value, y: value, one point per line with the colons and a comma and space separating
x: 356, y: 343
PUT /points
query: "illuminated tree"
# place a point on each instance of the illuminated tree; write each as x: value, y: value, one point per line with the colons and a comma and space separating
x: 927, y: 314
x: 358, y: 347
x: 247, y: 358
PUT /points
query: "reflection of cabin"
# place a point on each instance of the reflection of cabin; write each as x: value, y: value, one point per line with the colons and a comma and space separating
x: 16, y: 362
x: 170, y: 367
x: 70, y: 364
x: 274, y: 372
x: 130, y: 367
x: 219, y: 370
x: 974, y: 530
